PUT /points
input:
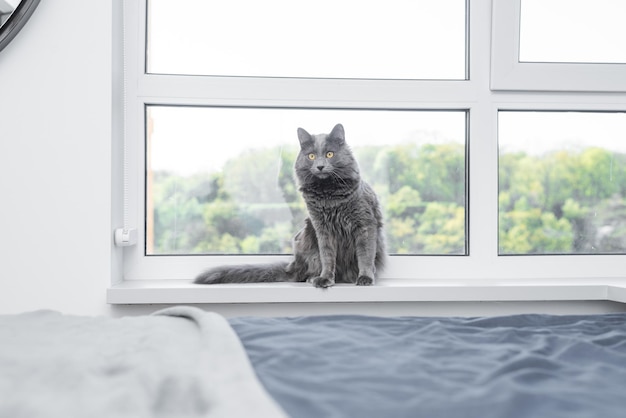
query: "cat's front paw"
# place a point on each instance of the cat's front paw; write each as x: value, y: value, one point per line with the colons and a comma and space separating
x: 322, y: 282
x: 364, y: 281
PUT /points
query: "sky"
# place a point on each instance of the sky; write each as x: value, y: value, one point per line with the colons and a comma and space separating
x: 540, y: 132
x: 324, y: 38
x: 572, y: 31
x: 195, y: 139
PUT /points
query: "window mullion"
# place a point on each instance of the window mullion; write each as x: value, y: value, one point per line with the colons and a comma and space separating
x: 246, y: 91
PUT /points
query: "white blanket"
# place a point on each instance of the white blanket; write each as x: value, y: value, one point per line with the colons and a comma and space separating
x: 180, y: 362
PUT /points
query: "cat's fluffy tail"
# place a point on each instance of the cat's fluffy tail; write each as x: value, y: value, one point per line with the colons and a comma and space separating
x: 247, y: 273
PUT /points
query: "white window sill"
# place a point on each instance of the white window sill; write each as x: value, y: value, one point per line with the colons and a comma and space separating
x: 132, y: 292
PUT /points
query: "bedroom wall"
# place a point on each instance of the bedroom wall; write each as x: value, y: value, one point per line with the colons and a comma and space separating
x: 55, y: 165
x: 55, y: 178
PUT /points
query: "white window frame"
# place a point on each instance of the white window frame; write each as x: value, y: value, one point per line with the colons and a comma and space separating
x: 508, y: 73
x: 481, y: 275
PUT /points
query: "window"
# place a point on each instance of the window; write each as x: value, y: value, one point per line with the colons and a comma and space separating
x: 559, y: 45
x: 574, y: 31
x: 325, y: 39
x: 220, y: 186
x: 562, y: 182
x: 478, y: 182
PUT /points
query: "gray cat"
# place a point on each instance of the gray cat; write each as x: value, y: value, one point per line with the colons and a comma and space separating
x: 342, y: 240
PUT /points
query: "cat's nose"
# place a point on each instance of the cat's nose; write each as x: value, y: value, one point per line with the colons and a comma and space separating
x: 320, y: 167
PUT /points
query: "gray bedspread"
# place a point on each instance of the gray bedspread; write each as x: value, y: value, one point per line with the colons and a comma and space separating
x: 184, y: 362
x: 181, y: 362
x: 507, y: 367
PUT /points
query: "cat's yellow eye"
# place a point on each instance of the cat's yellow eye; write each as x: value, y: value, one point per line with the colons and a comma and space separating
x: 311, y: 156
x: 330, y: 154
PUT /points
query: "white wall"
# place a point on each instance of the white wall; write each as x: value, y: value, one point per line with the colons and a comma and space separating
x: 55, y: 160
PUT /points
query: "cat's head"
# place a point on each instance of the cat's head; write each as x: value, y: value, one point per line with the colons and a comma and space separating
x: 325, y: 157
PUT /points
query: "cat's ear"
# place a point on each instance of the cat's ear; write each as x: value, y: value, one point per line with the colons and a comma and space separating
x: 337, y: 135
x: 304, y: 137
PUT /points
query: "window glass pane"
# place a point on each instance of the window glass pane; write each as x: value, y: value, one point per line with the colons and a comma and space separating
x: 562, y: 182
x: 220, y: 180
x: 396, y: 39
x: 583, y: 31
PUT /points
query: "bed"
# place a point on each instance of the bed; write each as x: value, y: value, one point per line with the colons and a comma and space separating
x: 186, y: 362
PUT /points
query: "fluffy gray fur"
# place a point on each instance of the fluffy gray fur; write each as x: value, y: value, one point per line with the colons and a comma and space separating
x: 342, y: 240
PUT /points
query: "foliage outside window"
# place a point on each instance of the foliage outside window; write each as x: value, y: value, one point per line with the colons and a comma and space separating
x: 243, y: 199
x: 563, y: 186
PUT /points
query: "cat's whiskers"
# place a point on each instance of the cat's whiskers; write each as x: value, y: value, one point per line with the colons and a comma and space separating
x: 338, y: 177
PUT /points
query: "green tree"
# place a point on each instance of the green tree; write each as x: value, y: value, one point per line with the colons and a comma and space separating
x: 253, y: 206
x: 557, y: 202
x: 442, y: 229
